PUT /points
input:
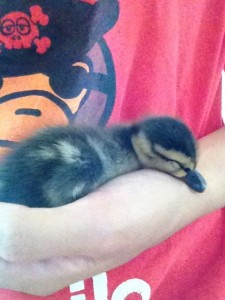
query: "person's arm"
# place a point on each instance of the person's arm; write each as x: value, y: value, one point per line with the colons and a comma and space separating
x: 106, y: 228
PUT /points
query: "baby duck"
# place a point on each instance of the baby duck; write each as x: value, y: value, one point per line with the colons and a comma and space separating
x: 62, y: 164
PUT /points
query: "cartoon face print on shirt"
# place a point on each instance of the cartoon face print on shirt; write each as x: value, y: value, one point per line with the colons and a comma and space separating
x: 55, y: 66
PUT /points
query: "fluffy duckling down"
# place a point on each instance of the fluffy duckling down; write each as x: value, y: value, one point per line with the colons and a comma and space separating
x: 59, y: 165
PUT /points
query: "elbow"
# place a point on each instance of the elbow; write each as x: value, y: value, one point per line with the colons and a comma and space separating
x: 9, y: 254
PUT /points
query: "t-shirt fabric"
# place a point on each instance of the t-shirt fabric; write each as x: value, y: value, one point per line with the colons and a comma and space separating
x: 104, y: 62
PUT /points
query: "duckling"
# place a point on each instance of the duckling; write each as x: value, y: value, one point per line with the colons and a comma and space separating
x: 62, y: 164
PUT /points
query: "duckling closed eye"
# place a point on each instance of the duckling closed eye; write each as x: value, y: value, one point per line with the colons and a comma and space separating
x: 62, y: 164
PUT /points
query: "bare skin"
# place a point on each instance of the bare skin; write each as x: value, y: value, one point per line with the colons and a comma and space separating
x: 125, y: 216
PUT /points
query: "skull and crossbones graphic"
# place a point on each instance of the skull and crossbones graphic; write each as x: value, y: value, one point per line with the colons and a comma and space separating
x: 18, y: 30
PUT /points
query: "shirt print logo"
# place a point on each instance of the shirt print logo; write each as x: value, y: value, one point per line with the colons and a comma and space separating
x: 134, y: 288
x: 19, y: 30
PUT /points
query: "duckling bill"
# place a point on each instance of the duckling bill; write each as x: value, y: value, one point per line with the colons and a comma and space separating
x: 59, y: 165
x: 195, y: 181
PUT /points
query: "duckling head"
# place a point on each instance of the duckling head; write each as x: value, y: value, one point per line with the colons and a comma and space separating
x: 166, y: 144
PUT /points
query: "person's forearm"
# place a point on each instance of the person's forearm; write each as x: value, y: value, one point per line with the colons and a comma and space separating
x: 113, y: 214
x: 146, y: 204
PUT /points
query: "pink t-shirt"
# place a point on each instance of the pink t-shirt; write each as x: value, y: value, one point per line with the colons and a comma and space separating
x: 145, y: 57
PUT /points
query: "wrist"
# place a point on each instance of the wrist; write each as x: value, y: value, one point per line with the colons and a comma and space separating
x: 212, y: 166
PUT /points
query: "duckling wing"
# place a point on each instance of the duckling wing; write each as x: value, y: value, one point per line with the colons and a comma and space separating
x: 72, y: 181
